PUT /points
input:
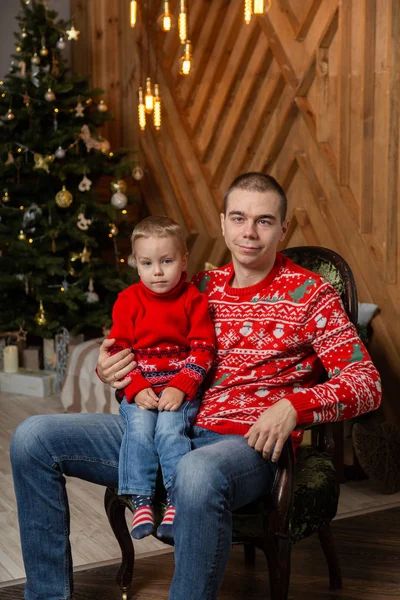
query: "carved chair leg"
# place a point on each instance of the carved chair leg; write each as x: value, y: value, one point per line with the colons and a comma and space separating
x: 249, y: 554
x: 277, y: 550
x: 115, y: 509
x: 328, y: 546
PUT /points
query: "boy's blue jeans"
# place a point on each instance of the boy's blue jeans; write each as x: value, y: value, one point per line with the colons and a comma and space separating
x: 221, y: 474
x: 152, y: 438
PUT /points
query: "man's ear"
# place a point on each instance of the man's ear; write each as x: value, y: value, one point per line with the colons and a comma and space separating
x: 222, y: 223
x: 284, y: 227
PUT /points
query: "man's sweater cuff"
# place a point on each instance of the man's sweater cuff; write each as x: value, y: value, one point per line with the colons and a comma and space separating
x: 301, y: 402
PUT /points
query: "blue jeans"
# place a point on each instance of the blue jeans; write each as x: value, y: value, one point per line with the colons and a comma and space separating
x: 222, y: 473
x: 150, y: 438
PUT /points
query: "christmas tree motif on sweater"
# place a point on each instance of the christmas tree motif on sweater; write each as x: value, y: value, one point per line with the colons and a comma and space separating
x: 333, y: 373
x: 299, y: 293
x: 202, y: 286
x: 357, y: 354
x: 220, y: 380
x: 267, y: 299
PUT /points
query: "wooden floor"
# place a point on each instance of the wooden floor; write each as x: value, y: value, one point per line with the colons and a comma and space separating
x: 369, y: 552
x: 92, y: 540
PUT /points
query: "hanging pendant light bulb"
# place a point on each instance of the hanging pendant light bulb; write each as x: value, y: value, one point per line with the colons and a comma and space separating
x: 149, y: 98
x: 248, y: 11
x: 157, y: 107
x: 261, y: 7
x: 185, y: 61
x: 133, y: 12
x: 166, y: 19
x: 141, y: 110
x: 182, y: 22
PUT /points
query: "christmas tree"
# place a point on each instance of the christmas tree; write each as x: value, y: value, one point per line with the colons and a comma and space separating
x: 54, y: 229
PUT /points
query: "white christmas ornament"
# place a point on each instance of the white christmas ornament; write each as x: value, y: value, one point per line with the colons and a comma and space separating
x: 61, y: 44
x: 137, y: 173
x: 79, y: 110
x: 91, y: 295
x: 131, y: 261
x: 60, y: 152
x: 119, y: 200
x: 83, y: 223
x: 50, y: 95
x: 85, y: 184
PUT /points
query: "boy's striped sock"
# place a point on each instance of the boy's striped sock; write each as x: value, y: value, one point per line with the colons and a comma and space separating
x: 143, y: 517
x: 165, y: 528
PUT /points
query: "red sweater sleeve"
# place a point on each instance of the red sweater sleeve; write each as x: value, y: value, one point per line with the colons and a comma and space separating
x: 201, y: 338
x: 354, y: 385
x: 123, y: 330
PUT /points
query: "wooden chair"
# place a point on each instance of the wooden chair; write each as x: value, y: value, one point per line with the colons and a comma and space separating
x: 305, y: 494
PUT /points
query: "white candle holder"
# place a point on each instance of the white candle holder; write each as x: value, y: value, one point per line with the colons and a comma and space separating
x: 10, y: 359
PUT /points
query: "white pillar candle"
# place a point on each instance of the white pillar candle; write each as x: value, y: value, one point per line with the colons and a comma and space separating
x: 10, y: 359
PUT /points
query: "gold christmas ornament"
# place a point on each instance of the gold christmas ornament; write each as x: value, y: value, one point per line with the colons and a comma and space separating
x: 85, y: 255
x: 35, y: 60
x: 118, y: 186
x: 72, y: 33
x: 44, y: 51
x: 41, y: 317
x: 21, y: 235
x: 113, y: 230
x: 64, y: 198
x: 18, y: 49
x: 102, y: 106
x: 50, y: 95
x: 10, y: 115
x: 43, y: 162
x: 6, y: 196
x: 74, y: 256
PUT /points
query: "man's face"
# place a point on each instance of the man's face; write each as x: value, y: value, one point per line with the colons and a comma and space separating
x: 252, y: 228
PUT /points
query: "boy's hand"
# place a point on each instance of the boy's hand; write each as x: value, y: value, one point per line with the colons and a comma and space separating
x: 146, y: 399
x: 171, y: 399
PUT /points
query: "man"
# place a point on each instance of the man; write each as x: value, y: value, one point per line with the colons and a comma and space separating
x: 276, y: 325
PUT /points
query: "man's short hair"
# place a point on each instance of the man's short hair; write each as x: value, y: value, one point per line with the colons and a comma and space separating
x: 258, y: 182
x: 159, y: 227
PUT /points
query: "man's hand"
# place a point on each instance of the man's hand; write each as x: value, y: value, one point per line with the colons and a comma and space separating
x: 171, y: 399
x: 272, y: 429
x: 114, y: 369
x: 146, y: 399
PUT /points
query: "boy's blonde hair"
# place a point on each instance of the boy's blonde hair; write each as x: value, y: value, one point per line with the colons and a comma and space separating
x: 159, y: 227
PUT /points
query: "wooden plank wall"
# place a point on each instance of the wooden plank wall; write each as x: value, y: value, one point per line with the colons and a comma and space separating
x: 309, y: 92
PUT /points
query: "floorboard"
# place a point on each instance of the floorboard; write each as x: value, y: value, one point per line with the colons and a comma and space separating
x: 369, y: 550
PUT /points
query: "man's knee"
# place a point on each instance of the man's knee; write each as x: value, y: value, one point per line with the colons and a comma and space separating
x: 27, y: 438
x: 199, y: 475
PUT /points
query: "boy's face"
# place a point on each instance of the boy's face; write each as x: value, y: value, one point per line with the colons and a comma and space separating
x: 160, y: 262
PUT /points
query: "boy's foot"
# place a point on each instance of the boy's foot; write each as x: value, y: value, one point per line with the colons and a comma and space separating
x: 164, y: 530
x: 143, y: 517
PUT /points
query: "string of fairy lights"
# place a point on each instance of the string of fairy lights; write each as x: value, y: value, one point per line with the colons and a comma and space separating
x: 149, y: 97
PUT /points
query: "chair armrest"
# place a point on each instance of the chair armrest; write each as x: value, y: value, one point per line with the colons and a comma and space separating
x: 280, y: 500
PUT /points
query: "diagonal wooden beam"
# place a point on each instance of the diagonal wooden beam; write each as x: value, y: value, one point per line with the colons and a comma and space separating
x: 203, y: 46
x: 232, y: 25
x: 344, y: 96
x: 239, y: 57
x: 278, y: 51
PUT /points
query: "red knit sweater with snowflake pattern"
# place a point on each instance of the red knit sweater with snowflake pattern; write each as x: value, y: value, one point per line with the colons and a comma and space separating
x: 273, y: 341
x: 171, y: 335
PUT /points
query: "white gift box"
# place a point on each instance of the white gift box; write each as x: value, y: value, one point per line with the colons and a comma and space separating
x: 28, y: 383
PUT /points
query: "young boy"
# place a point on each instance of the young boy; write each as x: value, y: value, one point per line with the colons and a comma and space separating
x: 165, y: 321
